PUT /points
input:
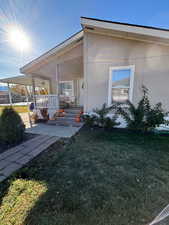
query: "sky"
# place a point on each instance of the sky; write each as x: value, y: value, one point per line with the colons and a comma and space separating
x: 120, y: 74
x: 48, y: 22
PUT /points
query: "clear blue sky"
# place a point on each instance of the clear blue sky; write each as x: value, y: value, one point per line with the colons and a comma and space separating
x: 120, y: 74
x: 49, y: 22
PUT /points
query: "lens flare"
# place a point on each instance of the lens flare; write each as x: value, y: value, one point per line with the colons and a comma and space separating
x: 18, y: 39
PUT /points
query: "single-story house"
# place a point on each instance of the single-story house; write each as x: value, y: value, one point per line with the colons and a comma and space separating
x: 106, y: 61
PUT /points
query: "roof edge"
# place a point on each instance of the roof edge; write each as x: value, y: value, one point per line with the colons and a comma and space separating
x: 127, y: 24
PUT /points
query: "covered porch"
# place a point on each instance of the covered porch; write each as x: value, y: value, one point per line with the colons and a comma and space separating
x: 63, y: 71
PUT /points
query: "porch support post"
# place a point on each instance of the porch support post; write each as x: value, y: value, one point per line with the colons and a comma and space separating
x: 33, y: 90
x: 27, y: 97
x: 10, y: 95
x: 54, y: 86
x: 57, y: 79
x: 54, y: 82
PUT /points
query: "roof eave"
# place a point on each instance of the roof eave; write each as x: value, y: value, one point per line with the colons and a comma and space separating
x: 124, y: 27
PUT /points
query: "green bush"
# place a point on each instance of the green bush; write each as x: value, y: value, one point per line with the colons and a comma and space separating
x: 89, y: 120
x: 110, y: 123
x: 100, y: 118
x: 143, y: 117
x: 103, y: 120
x: 11, y: 127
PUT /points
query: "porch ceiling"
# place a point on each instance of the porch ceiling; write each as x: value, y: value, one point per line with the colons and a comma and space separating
x: 69, y: 64
x: 67, y: 70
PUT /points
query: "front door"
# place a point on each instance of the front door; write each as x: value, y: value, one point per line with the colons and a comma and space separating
x: 66, y: 92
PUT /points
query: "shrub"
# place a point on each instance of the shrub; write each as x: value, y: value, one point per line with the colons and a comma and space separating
x: 143, y: 117
x: 11, y: 127
x: 103, y: 120
x: 100, y: 118
x: 110, y: 122
x: 89, y: 120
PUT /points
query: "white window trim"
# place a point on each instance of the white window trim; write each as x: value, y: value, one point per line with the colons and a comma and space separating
x: 132, y: 68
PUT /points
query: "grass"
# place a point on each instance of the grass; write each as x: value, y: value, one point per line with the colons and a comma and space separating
x: 18, y: 108
x: 98, y: 177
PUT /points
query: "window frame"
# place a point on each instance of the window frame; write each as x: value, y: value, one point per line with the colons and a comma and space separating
x: 131, y: 85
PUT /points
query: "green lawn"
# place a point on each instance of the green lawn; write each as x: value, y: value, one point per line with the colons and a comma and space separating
x: 102, y: 178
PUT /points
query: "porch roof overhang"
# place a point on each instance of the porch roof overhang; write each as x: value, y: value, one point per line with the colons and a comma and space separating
x: 54, y: 52
x: 23, y: 80
x: 126, y: 30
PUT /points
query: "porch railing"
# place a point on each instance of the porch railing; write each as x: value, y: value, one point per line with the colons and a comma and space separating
x: 47, y: 101
x: 68, y: 99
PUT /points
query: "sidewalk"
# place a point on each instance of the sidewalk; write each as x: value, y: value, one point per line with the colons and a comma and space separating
x: 53, y: 130
x: 14, y: 158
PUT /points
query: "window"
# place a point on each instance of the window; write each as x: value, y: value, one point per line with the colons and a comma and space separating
x: 120, y: 84
x: 66, y: 88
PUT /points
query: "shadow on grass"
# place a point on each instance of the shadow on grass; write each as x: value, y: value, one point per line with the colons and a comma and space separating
x: 98, y: 177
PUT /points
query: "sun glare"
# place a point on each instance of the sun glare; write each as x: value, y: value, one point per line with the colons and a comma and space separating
x: 18, y: 39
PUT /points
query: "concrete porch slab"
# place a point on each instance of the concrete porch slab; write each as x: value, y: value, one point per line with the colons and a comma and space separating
x: 59, y: 131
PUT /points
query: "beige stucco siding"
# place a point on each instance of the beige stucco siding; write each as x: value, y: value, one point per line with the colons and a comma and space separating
x: 151, y: 68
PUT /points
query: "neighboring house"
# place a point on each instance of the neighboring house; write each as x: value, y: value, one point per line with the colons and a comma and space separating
x: 4, y: 97
x: 107, y: 61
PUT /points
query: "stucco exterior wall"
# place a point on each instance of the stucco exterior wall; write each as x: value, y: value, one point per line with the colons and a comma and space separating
x: 151, y: 68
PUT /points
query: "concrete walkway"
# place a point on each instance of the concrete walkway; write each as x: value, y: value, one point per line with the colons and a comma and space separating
x: 53, y: 130
x: 14, y: 158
